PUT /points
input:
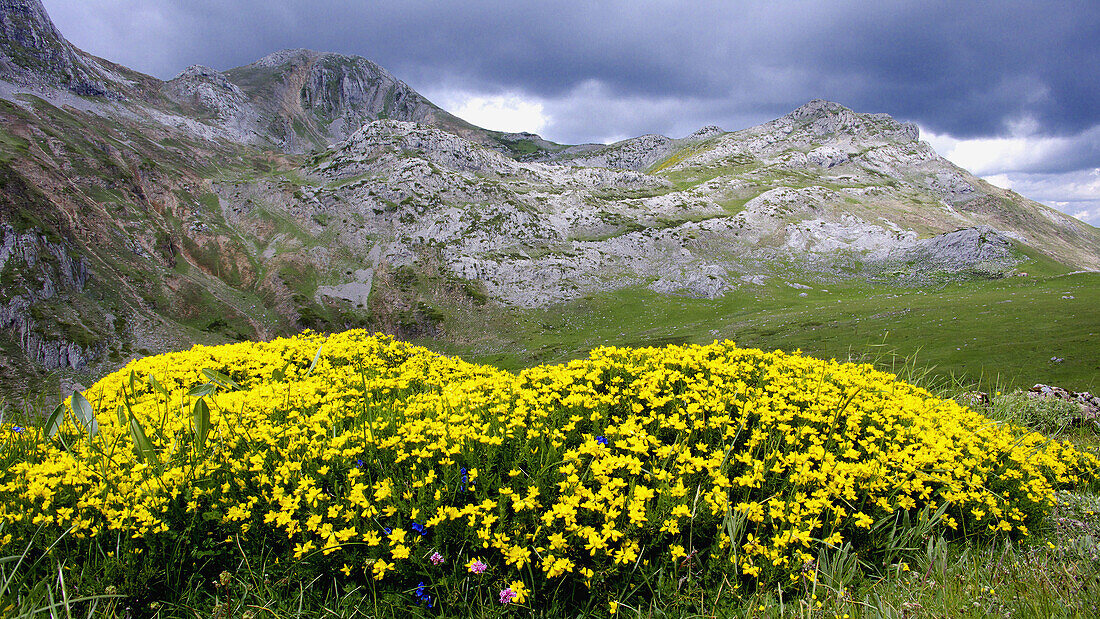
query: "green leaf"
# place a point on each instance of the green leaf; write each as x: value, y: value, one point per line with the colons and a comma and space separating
x: 280, y: 375
x: 141, y: 441
x: 82, y: 408
x: 152, y: 380
x: 200, y: 419
x: 53, y: 424
x: 133, y: 383
x: 315, y: 358
x: 215, y: 376
x: 202, y: 390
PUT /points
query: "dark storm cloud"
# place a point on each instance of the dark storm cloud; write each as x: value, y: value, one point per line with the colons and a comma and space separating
x: 968, y: 69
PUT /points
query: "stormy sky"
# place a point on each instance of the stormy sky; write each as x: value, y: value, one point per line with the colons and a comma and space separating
x: 1008, y: 89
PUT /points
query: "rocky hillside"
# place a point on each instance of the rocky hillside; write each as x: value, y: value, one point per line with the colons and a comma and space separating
x: 317, y: 190
x: 823, y: 193
x: 300, y: 100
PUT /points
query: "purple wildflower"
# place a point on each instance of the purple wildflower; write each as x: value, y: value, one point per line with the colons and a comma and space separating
x: 436, y: 558
x: 507, y: 595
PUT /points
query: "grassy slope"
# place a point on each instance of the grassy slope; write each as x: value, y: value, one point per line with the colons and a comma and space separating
x: 1002, y: 333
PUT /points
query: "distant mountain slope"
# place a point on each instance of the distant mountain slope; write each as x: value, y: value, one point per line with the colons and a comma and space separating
x: 881, y: 164
x: 295, y: 100
x: 316, y: 190
x: 822, y: 193
x: 303, y: 100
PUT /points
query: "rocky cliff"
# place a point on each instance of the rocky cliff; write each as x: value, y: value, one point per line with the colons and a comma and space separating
x: 35, y: 53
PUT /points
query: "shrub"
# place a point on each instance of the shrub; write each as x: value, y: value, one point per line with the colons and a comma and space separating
x: 381, y: 465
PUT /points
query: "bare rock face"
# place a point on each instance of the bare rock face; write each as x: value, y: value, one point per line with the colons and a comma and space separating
x: 306, y: 100
x: 827, y: 156
x: 211, y: 94
x: 637, y: 153
x: 39, y: 269
x: 351, y: 91
x: 826, y: 118
x: 633, y: 154
x: 33, y: 52
x: 981, y: 245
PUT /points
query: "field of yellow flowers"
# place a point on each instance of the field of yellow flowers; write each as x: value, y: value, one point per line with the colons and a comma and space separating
x: 441, y: 484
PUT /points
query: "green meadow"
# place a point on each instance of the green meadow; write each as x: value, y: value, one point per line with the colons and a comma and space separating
x: 998, y: 333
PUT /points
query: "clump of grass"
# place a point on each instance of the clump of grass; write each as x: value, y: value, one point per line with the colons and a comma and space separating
x: 1047, y: 415
x: 34, y: 583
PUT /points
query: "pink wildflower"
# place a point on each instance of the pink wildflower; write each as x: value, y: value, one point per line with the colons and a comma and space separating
x: 476, y: 566
x: 507, y: 595
x: 436, y: 558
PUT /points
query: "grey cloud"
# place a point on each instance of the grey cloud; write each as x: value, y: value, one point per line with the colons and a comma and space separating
x: 963, y: 68
x: 1076, y: 193
x: 1076, y: 153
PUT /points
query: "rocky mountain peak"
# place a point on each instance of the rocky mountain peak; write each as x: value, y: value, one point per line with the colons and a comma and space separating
x: 197, y: 78
x: 821, y: 118
x: 33, y: 52
x: 197, y: 70
x: 26, y: 23
x: 305, y: 100
x: 706, y: 132
x: 818, y: 108
x: 282, y: 57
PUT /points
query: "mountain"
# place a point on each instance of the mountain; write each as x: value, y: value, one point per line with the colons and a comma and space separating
x: 300, y: 100
x: 316, y: 190
x: 35, y: 54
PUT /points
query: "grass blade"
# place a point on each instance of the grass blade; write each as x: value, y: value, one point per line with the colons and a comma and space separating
x: 53, y: 424
x: 315, y: 359
x: 203, y: 390
x: 155, y: 384
x: 279, y: 376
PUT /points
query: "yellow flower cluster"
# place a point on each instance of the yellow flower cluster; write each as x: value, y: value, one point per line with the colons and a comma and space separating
x: 374, y: 454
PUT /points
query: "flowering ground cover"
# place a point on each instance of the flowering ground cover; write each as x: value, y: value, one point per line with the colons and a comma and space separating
x: 438, y: 486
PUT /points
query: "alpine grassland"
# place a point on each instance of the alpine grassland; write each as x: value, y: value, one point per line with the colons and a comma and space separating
x: 358, y: 476
x: 1000, y: 334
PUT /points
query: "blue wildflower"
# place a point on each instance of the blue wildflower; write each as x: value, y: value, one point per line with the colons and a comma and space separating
x: 601, y: 440
x: 419, y: 528
x: 18, y: 429
x: 422, y: 597
x: 359, y: 464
